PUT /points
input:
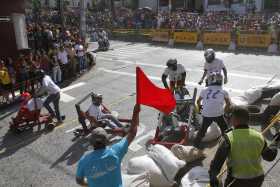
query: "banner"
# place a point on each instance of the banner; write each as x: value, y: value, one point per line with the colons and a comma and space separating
x: 218, y: 38
x: 160, y: 36
x: 254, y: 40
x: 185, y: 37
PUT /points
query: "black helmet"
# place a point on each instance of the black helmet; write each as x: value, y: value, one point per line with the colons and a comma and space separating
x: 171, y: 63
x: 209, y: 55
x: 40, y: 74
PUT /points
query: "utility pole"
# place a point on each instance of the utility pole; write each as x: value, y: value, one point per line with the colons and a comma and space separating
x: 83, y: 19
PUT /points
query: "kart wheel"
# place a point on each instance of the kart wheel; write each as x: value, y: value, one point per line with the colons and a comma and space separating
x: 50, y: 126
x: 16, y: 130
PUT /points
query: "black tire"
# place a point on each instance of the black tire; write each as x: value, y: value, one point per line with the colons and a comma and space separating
x: 50, y: 126
x: 16, y: 130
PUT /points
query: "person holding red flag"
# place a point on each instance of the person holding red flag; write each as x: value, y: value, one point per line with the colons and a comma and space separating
x: 150, y: 95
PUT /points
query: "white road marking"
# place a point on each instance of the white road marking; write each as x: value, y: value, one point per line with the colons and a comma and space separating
x: 134, y: 146
x: 241, y: 74
x: 192, y: 84
x: 73, y: 86
x: 67, y: 98
x: 73, y: 129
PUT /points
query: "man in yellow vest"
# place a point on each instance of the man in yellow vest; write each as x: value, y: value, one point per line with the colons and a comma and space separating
x: 243, y: 148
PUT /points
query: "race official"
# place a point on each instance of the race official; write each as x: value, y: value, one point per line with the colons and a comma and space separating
x: 243, y: 148
x: 102, y: 167
x: 176, y: 73
x: 213, y: 99
x: 212, y: 65
x: 53, y: 92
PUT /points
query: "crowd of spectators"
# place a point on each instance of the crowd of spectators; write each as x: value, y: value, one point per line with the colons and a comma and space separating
x: 59, y: 52
x: 211, y: 21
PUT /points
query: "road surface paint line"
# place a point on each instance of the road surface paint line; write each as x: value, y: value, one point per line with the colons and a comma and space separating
x: 67, y: 98
x: 192, y: 84
x: 134, y: 146
x: 241, y: 74
x: 65, y: 123
x: 73, y: 129
x: 73, y: 86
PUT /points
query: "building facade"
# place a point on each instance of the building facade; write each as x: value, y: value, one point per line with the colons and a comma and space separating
x: 70, y: 3
x: 13, y: 29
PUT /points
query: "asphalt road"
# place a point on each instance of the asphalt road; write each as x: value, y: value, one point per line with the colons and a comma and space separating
x: 42, y: 159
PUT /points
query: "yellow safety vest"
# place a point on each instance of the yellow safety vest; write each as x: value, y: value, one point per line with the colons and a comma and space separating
x: 245, y: 154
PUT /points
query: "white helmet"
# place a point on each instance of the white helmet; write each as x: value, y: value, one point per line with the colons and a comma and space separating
x: 215, y: 78
x: 209, y: 55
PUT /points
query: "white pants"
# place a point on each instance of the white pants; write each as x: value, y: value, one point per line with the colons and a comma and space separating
x: 56, y: 74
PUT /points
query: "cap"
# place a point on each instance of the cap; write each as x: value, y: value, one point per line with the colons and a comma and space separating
x: 99, y: 135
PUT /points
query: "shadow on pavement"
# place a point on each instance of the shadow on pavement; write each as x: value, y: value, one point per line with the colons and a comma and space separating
x: 73, y: 153
x: 11, y: 142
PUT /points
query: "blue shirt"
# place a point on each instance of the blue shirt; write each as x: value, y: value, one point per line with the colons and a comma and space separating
x: 102, y: 168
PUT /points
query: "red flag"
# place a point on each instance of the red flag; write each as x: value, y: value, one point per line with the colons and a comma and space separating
x: 151, y: 95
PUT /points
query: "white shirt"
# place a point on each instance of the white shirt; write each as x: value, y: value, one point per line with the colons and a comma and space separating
x: 175, y: 75
x: 275, y: 100
x: 31, y: 104
x: 213, y: 100
x: 62, y: 56
x: 216, y: 66
x: 80, y: 50
x: 49, y: 85
x: 95, y: 111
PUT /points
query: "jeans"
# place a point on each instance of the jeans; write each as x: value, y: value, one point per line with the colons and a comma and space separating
x: 207, y: 121
x: 82, y: 63
x: 56, y: 74
x: 111, y: 121
x: 53, y: 98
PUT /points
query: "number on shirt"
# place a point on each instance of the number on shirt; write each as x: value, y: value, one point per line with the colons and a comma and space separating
x: 212, y: 95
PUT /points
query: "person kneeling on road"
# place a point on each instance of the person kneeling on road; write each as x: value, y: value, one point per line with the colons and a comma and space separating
x: 53, y: 95
x: 176, y: 73
x: 97, y: 115
x: 243, y: 148
x: 102, y: 167
x: 213, y: 97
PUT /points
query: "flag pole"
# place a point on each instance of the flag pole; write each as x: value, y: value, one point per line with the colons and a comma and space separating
x: 137, y: 85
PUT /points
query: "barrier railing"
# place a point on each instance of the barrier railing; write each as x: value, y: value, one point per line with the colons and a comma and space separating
x: 256, y: 39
